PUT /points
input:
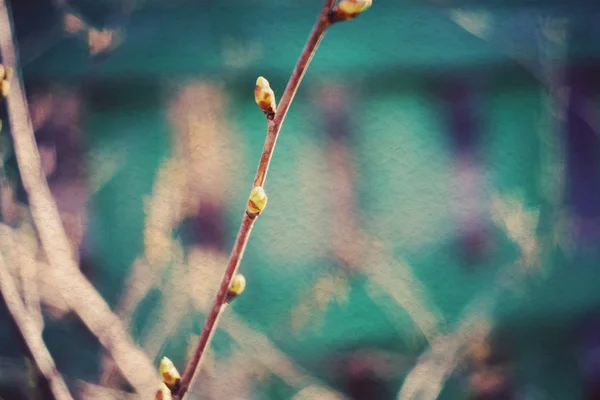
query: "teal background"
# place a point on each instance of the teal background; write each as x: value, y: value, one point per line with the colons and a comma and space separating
x: 390, y: 59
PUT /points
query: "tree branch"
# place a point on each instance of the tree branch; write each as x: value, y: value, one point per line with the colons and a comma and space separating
x: 31, y: 334
x: 79, y: 293
x: 274, y: 126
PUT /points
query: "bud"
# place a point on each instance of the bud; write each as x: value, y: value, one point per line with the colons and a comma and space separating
x: 163, y: 393
x: 1, y: 71
x: 348, y: 9
x: 257, y: 201
x: 264, y: 96
x: 4, y: 88
x: 169, y: 374
x: 237, y: 286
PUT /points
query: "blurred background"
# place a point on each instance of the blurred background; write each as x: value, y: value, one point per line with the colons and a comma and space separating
x: 433, y: 224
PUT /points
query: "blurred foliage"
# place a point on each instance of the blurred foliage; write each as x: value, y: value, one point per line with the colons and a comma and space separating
x: 150, y: 155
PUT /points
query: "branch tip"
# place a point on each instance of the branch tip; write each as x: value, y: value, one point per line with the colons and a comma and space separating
x: 348, y: 9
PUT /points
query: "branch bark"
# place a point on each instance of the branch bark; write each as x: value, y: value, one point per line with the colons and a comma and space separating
x: 324, y: 21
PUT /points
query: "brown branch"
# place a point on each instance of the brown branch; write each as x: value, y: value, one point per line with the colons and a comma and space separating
x: 32, y: 334
x: 218, y: 305
x: 253, y: 344
x: 78, y: 292
x: 324, y: 21
x: 310, y: 48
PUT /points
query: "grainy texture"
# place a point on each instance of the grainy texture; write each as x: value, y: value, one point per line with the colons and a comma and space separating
x: 274, y: 127
x: 78, y: 292
x: 32, y: 334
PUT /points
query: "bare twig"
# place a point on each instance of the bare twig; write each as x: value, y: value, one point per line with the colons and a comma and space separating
x: 31, y: 334
x: 274, y: 126
x: 310, y: 48
x: 79, y: 294
x: 218, y: 305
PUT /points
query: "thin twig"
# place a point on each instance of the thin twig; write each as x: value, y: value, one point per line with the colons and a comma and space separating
x: 81, y: 296
x: 274, y: 127
x: 310, y: 48
x: 31, y: 334
x: 218, y: 305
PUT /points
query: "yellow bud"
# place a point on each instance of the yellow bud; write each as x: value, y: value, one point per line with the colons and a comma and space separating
x: 1, y: 71
x: 163, y: 393
x: 256, y: 202
x: 169, y: 373
x: 237, y: 286
x: 4, y: 88
x: 264, y: 96
x: 348, y: 9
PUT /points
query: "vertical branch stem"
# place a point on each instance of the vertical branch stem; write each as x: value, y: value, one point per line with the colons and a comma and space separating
x: 274, y: 127
x: 218, y: 306
x: 310, y: 48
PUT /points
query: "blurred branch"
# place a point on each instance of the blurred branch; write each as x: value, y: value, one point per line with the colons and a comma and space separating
x: 20, y: 247
x: 324, y: 21
x: 266, y: 353
x: 426, y: 379
x: 394, y: 277
x: 390, y: 277
x: 78, y: 292
x: 90, y: 391
x: 253, y: 344
x: 32, y: 334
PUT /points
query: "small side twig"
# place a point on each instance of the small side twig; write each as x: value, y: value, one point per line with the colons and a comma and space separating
x: 324, y: 21
x: 31, y: 334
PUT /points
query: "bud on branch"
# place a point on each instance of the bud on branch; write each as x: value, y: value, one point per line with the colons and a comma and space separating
x: 265, y: 97
x: 256, y: 202
x: 237, y: 286
x: 349, y: 9
x: 169, y: 374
